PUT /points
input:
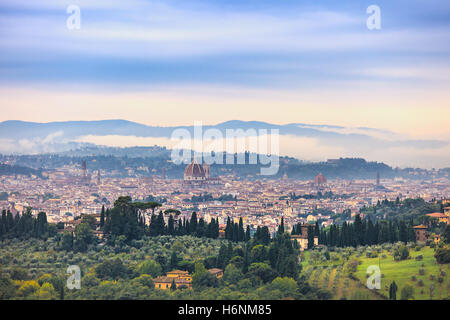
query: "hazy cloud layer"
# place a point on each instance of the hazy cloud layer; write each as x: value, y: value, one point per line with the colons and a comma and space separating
x: 303, y: 141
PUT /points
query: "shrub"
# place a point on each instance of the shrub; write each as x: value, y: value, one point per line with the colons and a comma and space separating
x: 353, y: 266
x: 401, y: 253
x: 421, y: 271
x: 407, y: 293
x: 419, y: 257
x: 442, y: 255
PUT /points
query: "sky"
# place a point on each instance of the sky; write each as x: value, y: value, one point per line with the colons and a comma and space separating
x: 176, y: 62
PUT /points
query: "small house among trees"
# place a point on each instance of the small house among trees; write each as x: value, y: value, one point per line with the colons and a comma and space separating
x: 420, y: 232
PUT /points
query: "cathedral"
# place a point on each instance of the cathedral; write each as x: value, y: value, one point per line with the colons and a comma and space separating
x: 196, y: 173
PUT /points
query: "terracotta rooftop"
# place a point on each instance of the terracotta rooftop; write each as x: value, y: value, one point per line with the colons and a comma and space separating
x: 298, y: 236
x: 215, y: 270
x: 178, y: 272
x: 436, y: 215
x: 163, y: 279
x: 194, y: 170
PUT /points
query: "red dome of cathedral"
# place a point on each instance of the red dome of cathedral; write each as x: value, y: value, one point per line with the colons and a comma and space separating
x: 320, y: 179
x: 194, y: 171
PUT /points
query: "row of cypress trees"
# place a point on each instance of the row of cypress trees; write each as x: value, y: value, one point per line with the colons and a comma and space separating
x: 24, y: 225
x: 193, y: 226
x: 235, y: 231
x: 365, y: 232
x: 127, y: 218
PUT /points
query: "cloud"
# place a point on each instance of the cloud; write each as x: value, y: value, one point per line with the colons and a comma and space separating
x: 35, y: 145
x: 308, y: 148
x: 375, y: 133
x: 430, y: 72
x: 161, y: 31
x: 150, y: 30
x: 199, y: 42
x: 45, y: 5
x: 51, y: 137
x: 126, y: 141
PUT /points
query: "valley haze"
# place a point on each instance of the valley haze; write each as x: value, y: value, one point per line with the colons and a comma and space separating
x: 303, y: 141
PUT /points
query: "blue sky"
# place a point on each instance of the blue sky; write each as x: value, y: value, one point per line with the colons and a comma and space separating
x: 176, y: 62
x: 249, y: 43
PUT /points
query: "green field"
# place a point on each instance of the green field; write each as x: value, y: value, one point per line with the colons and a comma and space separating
x: 403, y: 271
x: 334, y: 275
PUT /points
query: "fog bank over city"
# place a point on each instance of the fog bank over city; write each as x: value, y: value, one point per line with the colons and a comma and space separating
x: 302, y: 141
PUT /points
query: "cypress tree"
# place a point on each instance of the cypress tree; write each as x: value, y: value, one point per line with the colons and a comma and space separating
x: 265, y: 235
x: 317, y: 229
x: 281, y: 226
x: 170, y: 226
x: 310, y: 237
x: 153, y: 225
x: 200, y: 228
x: 9, y: 221
x: 228, y: 230
x: 173, y: 286
x: 241, y: 234
x: 193, y: 223
x: 235, y: 232
x: 403, y: 233
x: 393, y: 291
x: 247, y: 234
x: 102, y: 217
x: 217, y: 232
x: 294, y: 230
x: 246, y: 263
x: 187, y: 229
x: 358, y: 230
x: 180, y: 227
x: 3, y: 225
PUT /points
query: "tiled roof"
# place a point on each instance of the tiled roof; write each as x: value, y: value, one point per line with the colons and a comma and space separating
x: 164, y: 279
x: 436, y: 215
x: 178, y: 272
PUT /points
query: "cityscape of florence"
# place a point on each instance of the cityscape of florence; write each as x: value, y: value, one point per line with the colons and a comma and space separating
x: 258, y: 152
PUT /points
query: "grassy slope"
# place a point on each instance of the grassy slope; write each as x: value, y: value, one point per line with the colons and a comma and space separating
x: 339, y: 284
x: 402, y: 271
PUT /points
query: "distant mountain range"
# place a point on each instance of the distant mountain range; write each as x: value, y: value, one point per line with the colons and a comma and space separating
x: 316, y: 141
x: 52, y: 132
